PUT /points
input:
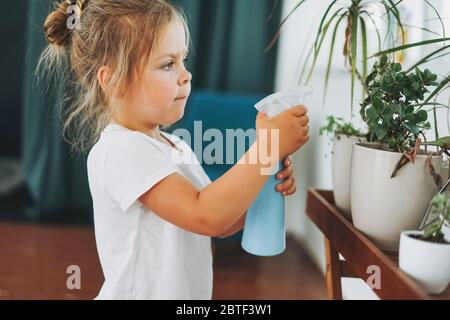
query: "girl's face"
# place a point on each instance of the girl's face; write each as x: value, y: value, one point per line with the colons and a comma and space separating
x: 159, y: 98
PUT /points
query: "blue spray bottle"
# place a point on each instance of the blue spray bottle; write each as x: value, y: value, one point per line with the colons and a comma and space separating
x: 265, y: 225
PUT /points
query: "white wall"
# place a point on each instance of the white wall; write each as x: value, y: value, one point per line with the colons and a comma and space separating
x: 312, y: 164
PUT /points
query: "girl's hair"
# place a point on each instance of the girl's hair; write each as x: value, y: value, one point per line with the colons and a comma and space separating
x: 85, y: 35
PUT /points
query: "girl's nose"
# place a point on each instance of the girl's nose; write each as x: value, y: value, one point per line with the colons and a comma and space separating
x: 186, y: 78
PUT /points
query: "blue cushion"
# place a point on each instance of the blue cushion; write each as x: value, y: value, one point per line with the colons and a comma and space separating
x: 217, y: 110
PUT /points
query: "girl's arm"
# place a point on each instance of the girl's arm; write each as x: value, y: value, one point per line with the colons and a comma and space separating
x: 216, y: 208
x: 238, y: 226
x: 219, y: 206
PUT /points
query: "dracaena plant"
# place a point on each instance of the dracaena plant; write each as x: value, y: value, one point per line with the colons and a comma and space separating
x: 357, y: 16
x: 393, y: 109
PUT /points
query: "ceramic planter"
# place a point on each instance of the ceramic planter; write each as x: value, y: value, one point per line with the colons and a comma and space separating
x: 426, y: 262
x: 383, y: 207
x: 341, y: 168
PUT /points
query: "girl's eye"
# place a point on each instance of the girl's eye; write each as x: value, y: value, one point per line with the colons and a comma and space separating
x: 169, y: 66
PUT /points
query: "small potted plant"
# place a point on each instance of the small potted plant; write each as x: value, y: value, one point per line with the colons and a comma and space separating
x: 425, y: 255
x: 344, y: 135
x: 392, y: 179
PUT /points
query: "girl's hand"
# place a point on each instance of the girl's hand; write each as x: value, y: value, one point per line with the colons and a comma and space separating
x: 288, y: 186
x: 292, y: 126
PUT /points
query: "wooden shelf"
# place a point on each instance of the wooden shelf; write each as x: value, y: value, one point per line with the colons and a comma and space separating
x: 359, y: 253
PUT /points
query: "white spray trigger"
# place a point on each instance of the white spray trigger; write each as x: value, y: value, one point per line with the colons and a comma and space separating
x: 283, y: 100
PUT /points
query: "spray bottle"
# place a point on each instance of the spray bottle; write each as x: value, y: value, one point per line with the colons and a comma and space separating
x: 265, y: 226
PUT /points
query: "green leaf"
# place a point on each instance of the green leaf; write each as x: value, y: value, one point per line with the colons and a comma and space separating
x: 317, y: 46
x: 388, y: 115
x: 410, y: 117
x: 421, y: 116
x: 427, y: 58
x: 364, y: 51
x: 411, y: 45
x: 401, y: 110
x: 372, y: 114
x: 330, y: 56
x: 419, y: 74
x: 438, y: 15
x: 407, y: 93
x: 397, y: 67
x: 409, y: 109
x: 354, y: 47
x: 278, y: 33
x: 375, y: 26
x: 378, y: 105
x: 438, y: 89
x: 441, y: 142
x: 396, y: 13
x: 380, y: 131
x: 322, y: 21
x: 411, y: 128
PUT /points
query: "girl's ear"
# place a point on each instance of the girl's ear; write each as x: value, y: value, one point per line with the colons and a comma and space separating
x: 104, y: 77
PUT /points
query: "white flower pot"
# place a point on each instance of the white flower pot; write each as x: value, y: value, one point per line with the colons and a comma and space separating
x: 383, y: 207
x: 341, y: 165
x: 425, y: 262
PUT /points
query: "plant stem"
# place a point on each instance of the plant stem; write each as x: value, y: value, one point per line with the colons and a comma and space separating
x: 436, y: 132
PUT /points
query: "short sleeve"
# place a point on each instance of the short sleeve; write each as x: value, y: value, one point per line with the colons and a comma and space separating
x: 133, y: 165
x: 201, y: 171
x: 206, y: 178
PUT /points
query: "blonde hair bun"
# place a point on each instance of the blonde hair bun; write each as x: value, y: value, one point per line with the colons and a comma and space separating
x: 55, y: 26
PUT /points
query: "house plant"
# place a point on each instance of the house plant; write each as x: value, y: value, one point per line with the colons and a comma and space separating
x: 392, y: 179
x: 354, y: 15
x: 425, y: 255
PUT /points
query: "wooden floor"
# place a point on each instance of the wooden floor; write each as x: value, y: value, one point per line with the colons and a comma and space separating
x: 34, y: 261
x: 288, y: 276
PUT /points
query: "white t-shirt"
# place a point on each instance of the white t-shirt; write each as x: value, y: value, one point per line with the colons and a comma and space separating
x: 142, y: 255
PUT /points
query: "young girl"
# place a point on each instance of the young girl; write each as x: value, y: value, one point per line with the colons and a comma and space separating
x: 154, y: 218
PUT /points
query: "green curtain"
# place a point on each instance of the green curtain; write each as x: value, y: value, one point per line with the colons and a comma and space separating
x: 56, y: 179
x: 229, y: 38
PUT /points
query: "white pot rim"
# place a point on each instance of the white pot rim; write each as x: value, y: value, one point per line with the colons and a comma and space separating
x: 369, y: 146
x: 409, y: 233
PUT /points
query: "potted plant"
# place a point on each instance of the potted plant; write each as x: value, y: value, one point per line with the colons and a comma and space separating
x: 354, y: 15
x: 425, y: 255
x: 344, y: 135
x: 392, y: 179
